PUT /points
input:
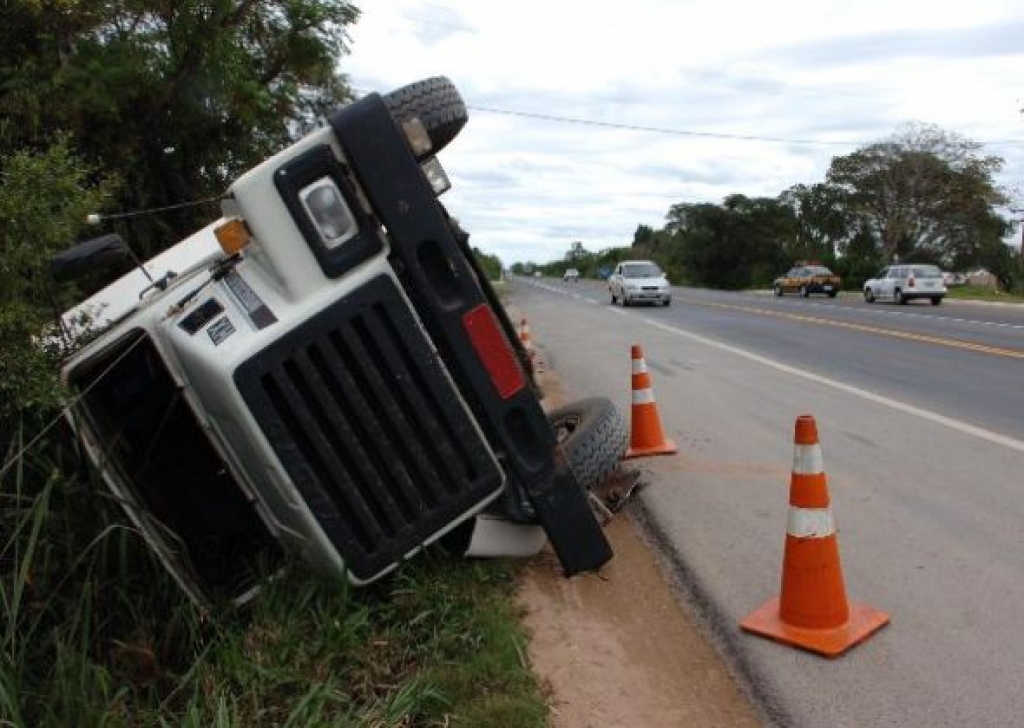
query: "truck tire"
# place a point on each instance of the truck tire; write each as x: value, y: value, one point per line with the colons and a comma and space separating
x: 436, y: 102
x: 593, y: 433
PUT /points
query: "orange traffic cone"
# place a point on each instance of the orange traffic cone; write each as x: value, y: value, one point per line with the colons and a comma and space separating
x: 812, y: 612
x: 524, y: 337
x: 646, y: 436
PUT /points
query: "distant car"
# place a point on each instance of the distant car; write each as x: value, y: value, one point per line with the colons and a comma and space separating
x: 902, y: 283
x: 571, y: 275
x: 808, y: 278
x: 639, y: 281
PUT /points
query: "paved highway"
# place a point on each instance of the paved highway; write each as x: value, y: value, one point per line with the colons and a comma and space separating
x: 921, y: 416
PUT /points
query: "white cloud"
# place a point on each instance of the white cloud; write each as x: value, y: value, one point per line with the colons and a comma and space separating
x: 827, y: 71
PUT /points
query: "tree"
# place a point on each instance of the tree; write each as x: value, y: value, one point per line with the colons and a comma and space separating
x: 490, y: 264
x: 924, y: 194
x: 174, y: 97
x: 43, y: 201
x: 643, y: 234
x: 823, y: 224
x: 710, y: 247
x: 733, y: 245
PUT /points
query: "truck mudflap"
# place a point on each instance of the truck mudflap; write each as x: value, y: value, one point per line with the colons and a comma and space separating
x: 443, y: 288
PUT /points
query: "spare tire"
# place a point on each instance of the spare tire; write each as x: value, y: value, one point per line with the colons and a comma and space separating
x: 436, y: 103
x: 594, y: 435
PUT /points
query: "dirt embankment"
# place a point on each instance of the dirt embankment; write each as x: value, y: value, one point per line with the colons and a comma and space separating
x: 615, y: 648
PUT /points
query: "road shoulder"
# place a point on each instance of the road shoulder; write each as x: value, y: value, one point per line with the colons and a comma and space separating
x: 615, y: 648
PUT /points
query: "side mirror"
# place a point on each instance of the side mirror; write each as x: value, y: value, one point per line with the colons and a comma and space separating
x: 92, y: 255
x: 95, y: 263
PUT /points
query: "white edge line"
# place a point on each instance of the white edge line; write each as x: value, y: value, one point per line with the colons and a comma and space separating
x: 963, y: 427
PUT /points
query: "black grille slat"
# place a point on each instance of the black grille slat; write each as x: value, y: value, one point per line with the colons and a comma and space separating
x: 372, y: 432
x: 414, y: 446
x: 288, y: 406
x: 333, y: 434
x: 368, y: 431
x: 423, y: 411
x: 453, y: 442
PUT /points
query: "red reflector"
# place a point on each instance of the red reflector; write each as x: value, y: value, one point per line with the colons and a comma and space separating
x: 910, y: 282
x: 494, y: 350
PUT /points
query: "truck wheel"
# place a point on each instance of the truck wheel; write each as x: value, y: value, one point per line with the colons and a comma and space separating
x: 593, y: 434
x: 436, y: 102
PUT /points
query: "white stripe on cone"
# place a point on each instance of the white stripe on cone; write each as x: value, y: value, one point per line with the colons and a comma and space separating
x: 810, y: 522
x: 639, y: 366
x: 807, y: 460
x: 643, y: 396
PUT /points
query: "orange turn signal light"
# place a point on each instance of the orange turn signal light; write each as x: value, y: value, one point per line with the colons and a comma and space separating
x: 232, y: 236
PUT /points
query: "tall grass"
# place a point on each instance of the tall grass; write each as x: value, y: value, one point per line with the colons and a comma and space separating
x: 95, y: 633
x: 983, y: 293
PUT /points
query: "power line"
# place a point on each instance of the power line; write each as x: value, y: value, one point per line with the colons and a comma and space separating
x: 636, y: 127
x: 556, y: 118
x: 661, y: 130
x: 689, y: 133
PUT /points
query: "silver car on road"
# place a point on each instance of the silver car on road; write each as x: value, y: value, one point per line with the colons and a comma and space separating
x: 639, y: 281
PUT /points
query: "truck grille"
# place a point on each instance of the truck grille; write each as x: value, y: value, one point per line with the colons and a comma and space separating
x: 367, y: 424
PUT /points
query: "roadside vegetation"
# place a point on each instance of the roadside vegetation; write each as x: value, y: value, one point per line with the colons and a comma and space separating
x: 984, y: 293
x: 116, y: 109
x: 923, y: 195
x: 96, y: 634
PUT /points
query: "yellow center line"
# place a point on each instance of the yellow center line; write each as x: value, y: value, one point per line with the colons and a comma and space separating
x: 937, y: 340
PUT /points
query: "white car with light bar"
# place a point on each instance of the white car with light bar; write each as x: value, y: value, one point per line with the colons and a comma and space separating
x: 905, y: 283
x: 326, y: 370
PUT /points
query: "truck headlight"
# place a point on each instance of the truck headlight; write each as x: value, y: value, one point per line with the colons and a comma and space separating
x: 327, y: 209
x: 323, y: 203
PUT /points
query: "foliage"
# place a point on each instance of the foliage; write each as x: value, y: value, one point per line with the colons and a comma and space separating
x: 171, y: 100
x: 174, y: 98
x: 924, y: 194
x: 824, y: 226
x: 490, y: 264
x: 44, y: 198
x: 733, y: 245
x: 1006, y: 265
x: 97, y: 634
x: 986, y: 293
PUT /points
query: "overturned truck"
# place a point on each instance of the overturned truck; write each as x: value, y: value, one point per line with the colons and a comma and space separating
x: 326, y: 370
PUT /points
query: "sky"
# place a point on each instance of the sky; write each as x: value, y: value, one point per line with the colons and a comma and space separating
x: 651, y: 103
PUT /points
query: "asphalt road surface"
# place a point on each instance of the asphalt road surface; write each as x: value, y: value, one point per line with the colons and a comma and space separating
x: 920, y: 410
